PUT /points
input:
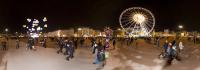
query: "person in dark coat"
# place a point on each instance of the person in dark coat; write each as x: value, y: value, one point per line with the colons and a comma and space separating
x: 165, y: 46
x: 44, y: 43
x: 75, y: 43
x: 70, y: 49
x: 94, y: 47
x: 174, y: 43
x: 30, y: 44
x: 60, y: 45
x: 114, y: 42
x: 82, y: 42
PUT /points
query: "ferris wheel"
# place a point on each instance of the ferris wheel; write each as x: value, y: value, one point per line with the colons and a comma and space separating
x: 137, y: 21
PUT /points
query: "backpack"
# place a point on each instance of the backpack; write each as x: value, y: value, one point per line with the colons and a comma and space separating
x: 101, y: 56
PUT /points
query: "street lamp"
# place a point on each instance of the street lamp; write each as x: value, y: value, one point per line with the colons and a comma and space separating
x: 180, y: 27
x: 80, y: 29
x: 6, y: 29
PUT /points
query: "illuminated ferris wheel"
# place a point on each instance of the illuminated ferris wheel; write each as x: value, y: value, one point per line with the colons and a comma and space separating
x: 137, y: 21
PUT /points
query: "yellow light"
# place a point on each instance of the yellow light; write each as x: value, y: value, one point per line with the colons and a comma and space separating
x: 75, y: 35
x: 58, y: 33
x: 64, y: 35
x: 79, y: 29
x: 119, y: 29
x: 182, y: 34
x: 138, y: 18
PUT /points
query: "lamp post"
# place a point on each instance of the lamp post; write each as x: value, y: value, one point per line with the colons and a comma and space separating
x: 180, y: 28
x: 80, y: 29
x: 6, y: 30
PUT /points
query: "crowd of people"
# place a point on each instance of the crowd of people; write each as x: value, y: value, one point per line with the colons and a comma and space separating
x: 99, y: 50
x: 69, y: 47
x: 171, y: 51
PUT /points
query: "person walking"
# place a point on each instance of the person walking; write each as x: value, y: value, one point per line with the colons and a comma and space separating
x: 114, y: 42
x: 4, y: 46
x: 17, y: 44
x: 158, y: 42
x: 95, y: 52
x: 44, y: 43
x: 92, y: 42
x: 102, y: 56
x: 70, y: 49
x: 166, y: 50
x: 181, y: 46
x: 29, y: 44
x: 94, y: 47
x: 169, y: 49
x: 32, y: 44
x: 75, y: 43
x: 60, y: 45
x: 174, y: 47
x: 165, y: 46
x: 82, y: 42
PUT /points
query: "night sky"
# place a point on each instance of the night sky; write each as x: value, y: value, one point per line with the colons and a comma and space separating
x: 65, y: 14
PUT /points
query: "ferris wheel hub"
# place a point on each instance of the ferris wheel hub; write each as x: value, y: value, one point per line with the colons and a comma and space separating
x: 139, y: 18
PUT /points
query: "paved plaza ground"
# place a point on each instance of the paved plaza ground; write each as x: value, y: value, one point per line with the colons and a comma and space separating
x: 142, y: 57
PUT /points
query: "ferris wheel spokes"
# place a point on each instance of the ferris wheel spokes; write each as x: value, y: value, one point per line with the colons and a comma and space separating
x: 137, y: 21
